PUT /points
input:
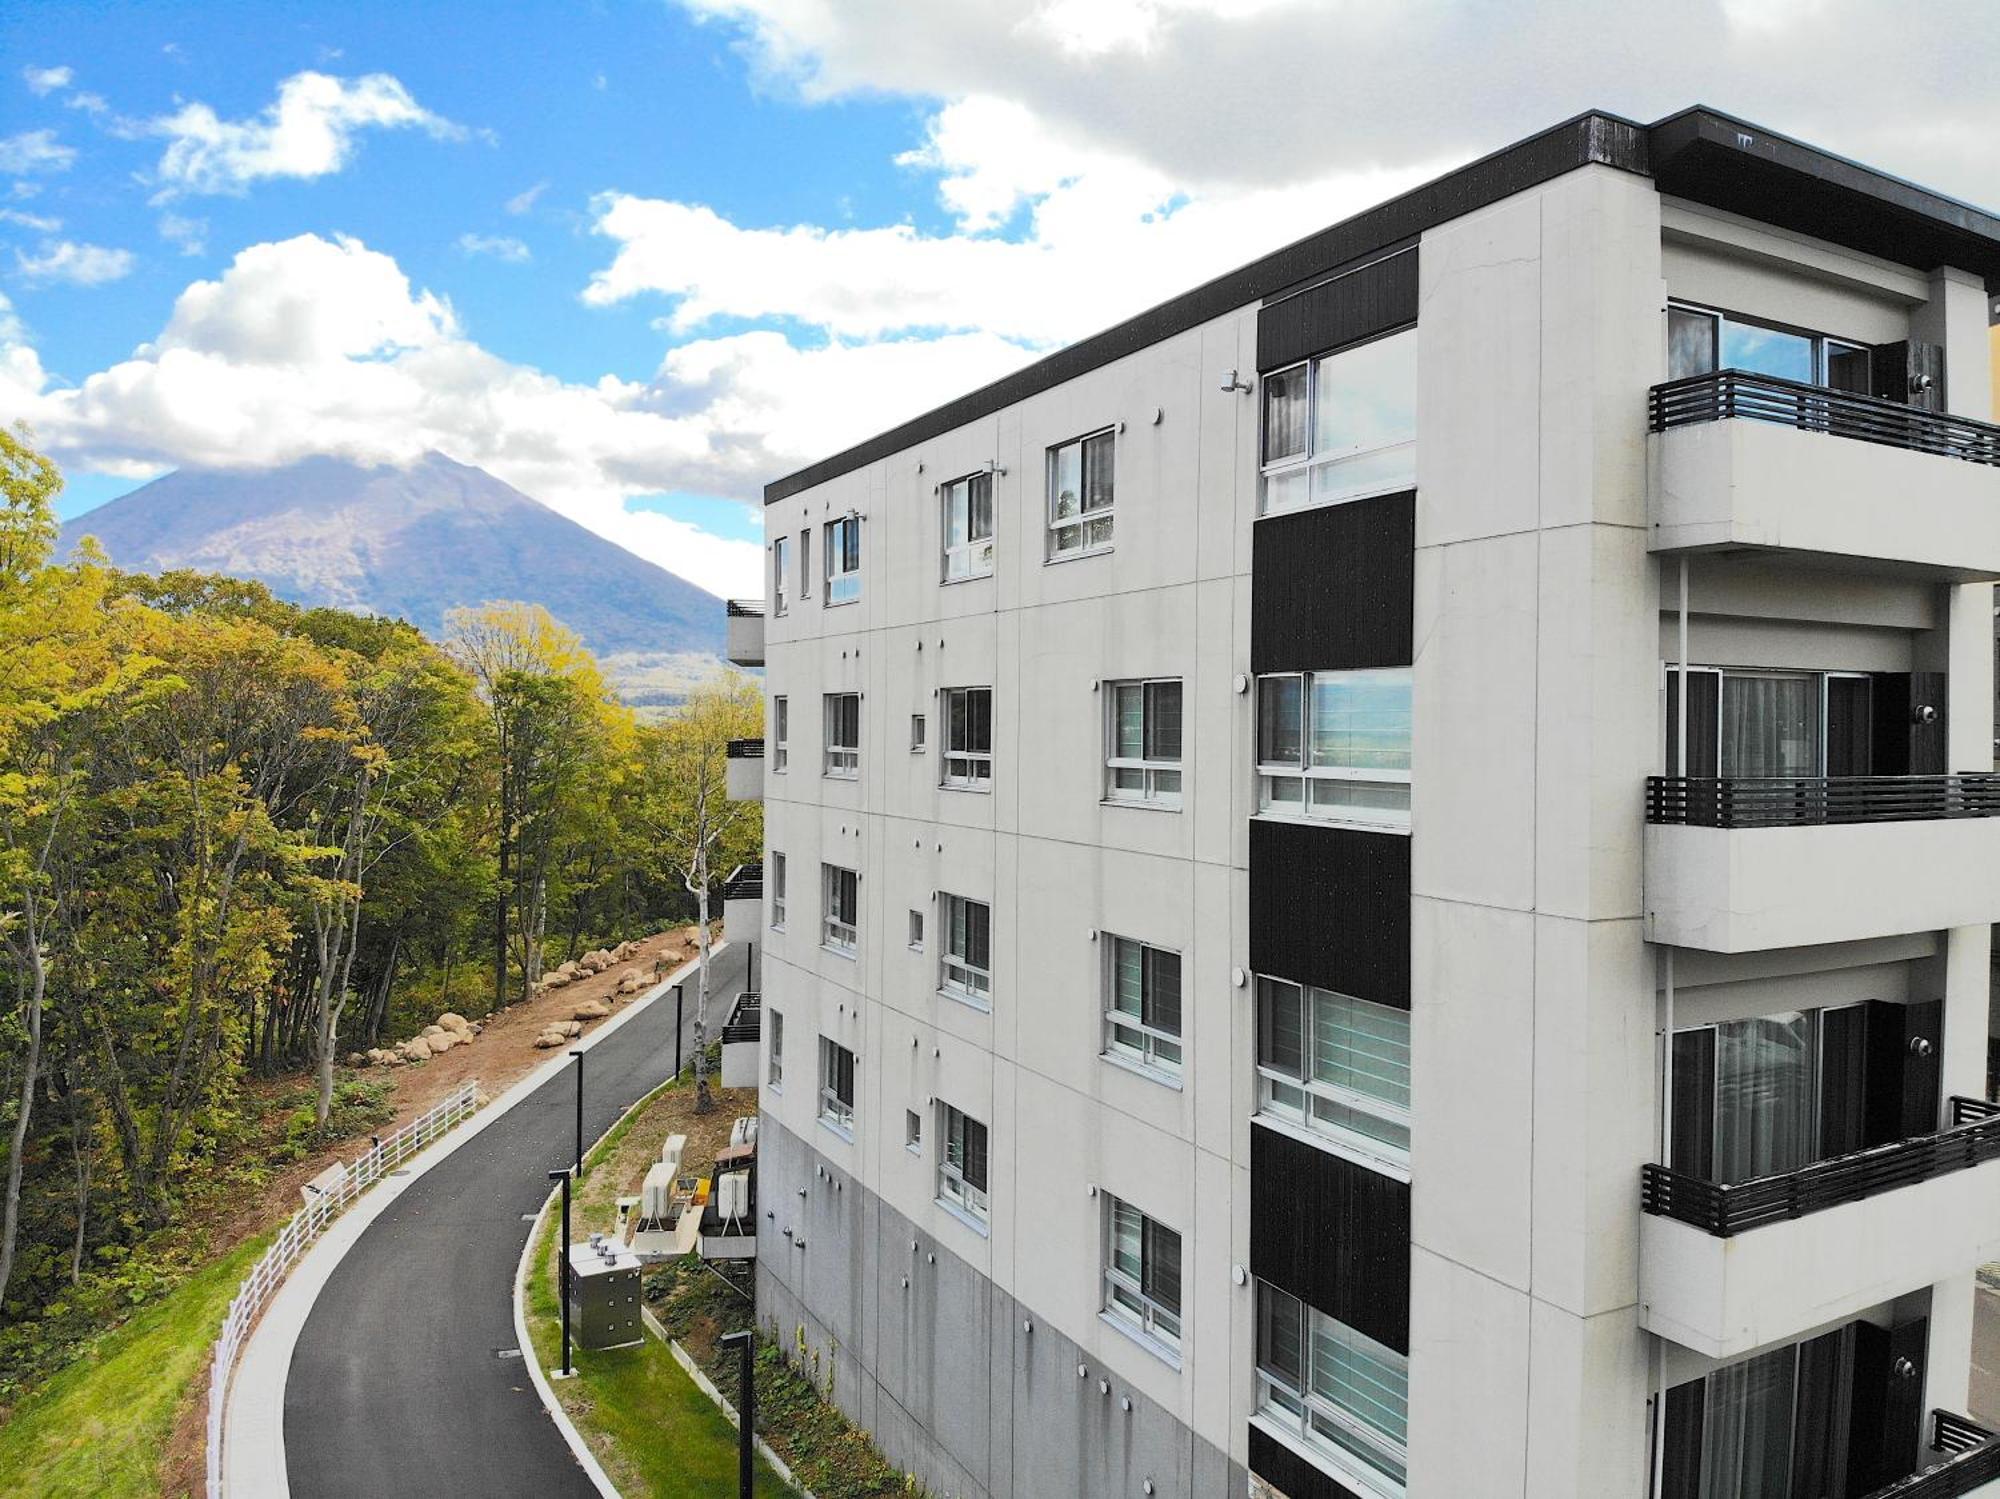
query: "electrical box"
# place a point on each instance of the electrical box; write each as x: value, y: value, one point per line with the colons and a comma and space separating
x: 604, y: 1295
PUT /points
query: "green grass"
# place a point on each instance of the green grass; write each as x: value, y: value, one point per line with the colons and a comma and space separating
x: 99, y: 1427
x: 649, y: 1424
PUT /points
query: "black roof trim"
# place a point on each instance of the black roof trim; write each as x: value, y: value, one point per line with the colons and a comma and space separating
x: 1699, y: 154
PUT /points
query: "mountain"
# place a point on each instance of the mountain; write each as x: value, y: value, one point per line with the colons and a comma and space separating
x: 414, y: 542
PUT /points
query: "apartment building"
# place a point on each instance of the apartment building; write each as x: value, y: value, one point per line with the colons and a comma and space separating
x: 1378, y: 881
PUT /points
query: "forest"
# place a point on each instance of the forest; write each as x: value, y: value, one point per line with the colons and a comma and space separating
x: 241, y: 840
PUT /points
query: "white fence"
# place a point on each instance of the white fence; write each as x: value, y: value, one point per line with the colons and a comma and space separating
x: 298, y: 1235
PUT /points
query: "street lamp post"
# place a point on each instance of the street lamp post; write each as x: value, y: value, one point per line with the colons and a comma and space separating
x: 746, y: 1409
x: 562, y: 1276
x: 579, y: 1113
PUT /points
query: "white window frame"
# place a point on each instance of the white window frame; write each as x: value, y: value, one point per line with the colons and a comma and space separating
x: 839, y: 761
x: 780, y: 556
x: 1083, y: 518
x: 781, y: 733
x: 964, y: 769
x: 958, y: 977
x: 1146, y: 1054
x: 774, y: 1077
x: 1305, y: 773
x: 837, y: 934
x: 805, y: 563
x: 973, y: 557
x: 843, y: 584
x: 919, y: 733
x: 1304, y: 464
x: 777, y: 891
x: 954, y: 1190
x: 1125, y: 1301
x: 835, y: 1112
x: 1289, y: 1100
x: 916, y: 931
x: 913, y: 1132
x: 1368, y: 1456
x: 1155, y: 774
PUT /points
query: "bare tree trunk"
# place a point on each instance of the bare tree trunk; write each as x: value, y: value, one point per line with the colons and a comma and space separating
x: 82, y: 1157
x: 704, y: 1101
x: 30, y: 952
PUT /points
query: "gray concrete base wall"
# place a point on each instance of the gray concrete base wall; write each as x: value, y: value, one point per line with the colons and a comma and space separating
x: 955, y: 1380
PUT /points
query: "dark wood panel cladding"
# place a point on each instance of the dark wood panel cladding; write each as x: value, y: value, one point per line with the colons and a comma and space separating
x: 1292, y: 1476
x: 1331, y: 906
x: 1587, y: 139
x: 1352, y: 305
x: 1334, y: 587
x: 1332, y: 1233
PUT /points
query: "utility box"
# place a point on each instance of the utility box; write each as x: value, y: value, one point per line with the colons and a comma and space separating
x: 604, y: 1295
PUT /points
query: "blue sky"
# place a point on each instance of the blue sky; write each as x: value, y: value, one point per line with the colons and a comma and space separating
x: 640, y: 258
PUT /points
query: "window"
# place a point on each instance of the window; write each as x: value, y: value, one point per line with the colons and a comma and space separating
x: 1143, y: 742
x: 913, y: 1131
x: 777, y: 1069
x: 843, y: 735
x: 806, y: 563
x: 916, y: 733
x: 777, y: 892
x: 843, y: 560
x: 781, y: 733
x: 965, y: 966
x: 1336, y: 744
x: 1342, y: 426
x: 968, y: 738
x: 842, y: 894
x: 836, y: 1086
x: 1701, y: 340
x: 1770, y: 1094
x: 962, y: 1163
x: 1338, y: 1389
x: 1142, y: 1273
x: 916, y: 931
x: 1142, y: 1010
x: 1336, y: 1066
x: 1786, y: 724
x: 779, y: 548
x: 968, y: 527
x: 1080, y: 495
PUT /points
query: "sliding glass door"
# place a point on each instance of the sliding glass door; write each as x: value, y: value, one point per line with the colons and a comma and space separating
x: 1769, y: 1094
x: 1749, y: 724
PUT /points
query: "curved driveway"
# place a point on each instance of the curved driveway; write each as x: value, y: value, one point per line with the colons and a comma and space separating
x: 397, y: 1383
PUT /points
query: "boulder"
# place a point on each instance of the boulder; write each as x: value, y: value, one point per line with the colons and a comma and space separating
x: 549, y: 1039
x: 431, y: 1032
x: 451, y: 1020
x: 571, y: 1029
x: 591, y: 1009
x: 568, y: 970
x: 632, y: 982
x: 416, y: 1049
x: 443, y: 1042
x: 555, y: 980
x: 357, y: 1059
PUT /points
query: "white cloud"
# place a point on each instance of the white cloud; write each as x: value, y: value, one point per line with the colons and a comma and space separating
x: 41, y: 223
x: 313, y: 345
x: 89, y: 103
x: 308, y: 131
x: 188, y: 235
x: 524, y: 200
x: 74, y: 264
x: 35, y: 151
x: 499, y: 246
x: 46, y: 80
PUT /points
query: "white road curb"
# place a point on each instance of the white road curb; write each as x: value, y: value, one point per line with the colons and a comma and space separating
x: 253, y: 1458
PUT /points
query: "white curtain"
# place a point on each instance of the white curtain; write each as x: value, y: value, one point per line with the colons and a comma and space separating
x: 1764, y: 1076
x: 1770, y: 726
x: 1747, y: 1432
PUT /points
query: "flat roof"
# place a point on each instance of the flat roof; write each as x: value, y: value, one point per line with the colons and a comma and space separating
x: 1699, y: 154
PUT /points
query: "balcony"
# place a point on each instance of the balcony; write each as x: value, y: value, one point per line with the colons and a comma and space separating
x: 1743, y: 865
x: 743, y: 903
x: 1739, y: 461
x: 744, y: 644
x: 1965, y: 1460
x: 740, y: 1041
x: 744, y: 778
x: 1726, y: 1269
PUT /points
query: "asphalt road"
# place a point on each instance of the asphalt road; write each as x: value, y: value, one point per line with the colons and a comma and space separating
x: 397, y: 1384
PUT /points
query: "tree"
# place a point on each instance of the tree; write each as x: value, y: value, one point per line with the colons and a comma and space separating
x: 697, y: 828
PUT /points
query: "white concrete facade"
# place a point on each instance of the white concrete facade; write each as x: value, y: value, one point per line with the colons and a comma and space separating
x: 1547, y: 1314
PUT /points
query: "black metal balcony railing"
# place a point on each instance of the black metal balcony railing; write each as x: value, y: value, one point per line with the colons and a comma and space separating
x: 1810, y: 801
x: 1974, y: 1136
x: 745, y: 1020
x: 1974, y: 1459
x: 1816, y: 408
x: 744, y: 608
x: 746, y: 749
x: 745, y: 882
